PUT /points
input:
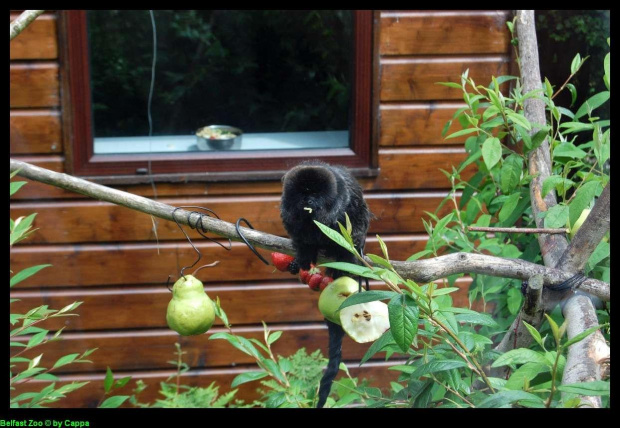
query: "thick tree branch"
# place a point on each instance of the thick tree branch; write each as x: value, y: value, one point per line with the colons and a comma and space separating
x: 551, y: 246
x: 22, y: 21
x: 589, y: 235
x: 588, y: 359
x: 420, y: 270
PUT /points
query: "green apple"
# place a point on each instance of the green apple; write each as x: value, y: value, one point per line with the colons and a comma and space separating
x: 190, y: 311
x: 334, y: 294
x: 365, y: 322
x: 584, y: 214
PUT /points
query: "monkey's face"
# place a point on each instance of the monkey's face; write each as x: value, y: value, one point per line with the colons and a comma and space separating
x: 309, y: 192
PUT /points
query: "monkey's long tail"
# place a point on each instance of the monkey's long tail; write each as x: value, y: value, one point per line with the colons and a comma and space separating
x: 336, y: 333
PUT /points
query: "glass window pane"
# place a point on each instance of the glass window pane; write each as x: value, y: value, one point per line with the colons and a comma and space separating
x: 282, y: 78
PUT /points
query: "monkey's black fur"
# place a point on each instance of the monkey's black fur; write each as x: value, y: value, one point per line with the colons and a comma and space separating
x: 315, y: 190
x: 329, y: 191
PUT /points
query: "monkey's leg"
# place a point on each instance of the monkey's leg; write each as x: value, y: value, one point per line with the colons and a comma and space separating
x: 336, y: 333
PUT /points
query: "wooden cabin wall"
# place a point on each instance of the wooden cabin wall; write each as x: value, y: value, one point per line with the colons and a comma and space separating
x: 107, y: 256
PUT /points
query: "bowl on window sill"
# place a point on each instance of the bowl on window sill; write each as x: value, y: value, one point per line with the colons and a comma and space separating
x: 218, y: 137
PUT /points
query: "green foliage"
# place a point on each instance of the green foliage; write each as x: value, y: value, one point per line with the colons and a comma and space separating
x: 286, y: 381
x: 26, y: 335
x: 446, y: 347
x: 177, y: 395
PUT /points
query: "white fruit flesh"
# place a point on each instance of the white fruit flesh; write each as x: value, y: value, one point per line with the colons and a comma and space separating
x: 365, y: 322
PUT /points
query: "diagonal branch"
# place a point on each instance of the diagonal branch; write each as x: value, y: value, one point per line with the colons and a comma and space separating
x: 589, y: 235
x: 22, y: 21
x: 420, y: 270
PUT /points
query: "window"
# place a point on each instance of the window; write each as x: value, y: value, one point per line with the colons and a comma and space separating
x: 291, y: 84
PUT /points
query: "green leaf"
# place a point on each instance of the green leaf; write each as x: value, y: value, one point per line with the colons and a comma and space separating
x: 573, y: 93
x: 108, y: 381
x: 26, y: 273
x: 527, y: 371
x: 384, y: 249
x: 274, y: 336
x: 568, y: 150
x: 351, y: 268
x: 386, y: 339
x: 596, y: 387
x: 380, y: 261
x: 592, y: 103
x: 557, y: 217
x: 520, y: 356
x: 435, y: 366
x: 606, y: 66
x: 247, y: 377
x: 555, y: 329
x: 519, y: 120
x: 336, y: 237
x: 535, y: 334
x: 579, y: 337
x: 583, y: 198
x: 475, y: 318
x: 491, y: 152
x: 46, y: 377
x: 444, y: 290
x: 461, y: 133
x: 403, y: 314
x: 114, y: 402
x: 122, y: 382
x: 37, y: 338
x: 513, y: 300
x: 14, y: 173
x: 274, y: 369
x: 67, y: 359
x: 601, y: 252
x: 450, y: 85
x: 575, y: 64
x: 367, y: 296
x: 538, y: 138
x: 573, y: 127
x: 15, y: 186
x: 506, y: 398
x: 509, y: 206
x: 561, y: 184
x: 510, y: 174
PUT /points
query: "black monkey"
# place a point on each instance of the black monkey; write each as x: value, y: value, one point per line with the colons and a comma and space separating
x: 315, y: 190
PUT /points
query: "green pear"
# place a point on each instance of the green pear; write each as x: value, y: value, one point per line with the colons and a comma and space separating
x: 190, y: 311
x: 334, y: 294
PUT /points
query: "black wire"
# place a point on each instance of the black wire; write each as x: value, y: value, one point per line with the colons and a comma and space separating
x: 201, y: 230
x: 250, y: 246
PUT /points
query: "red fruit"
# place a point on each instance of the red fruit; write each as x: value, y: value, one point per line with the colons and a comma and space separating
x: 304, y: 275
x: 325, y: 281
x: 315, y: 282
x: 281, y: 261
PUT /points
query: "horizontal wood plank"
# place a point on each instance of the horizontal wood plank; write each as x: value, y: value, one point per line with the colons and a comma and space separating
x: 35, y: 132
x: 397, y: 172
x: 149, y: 264
x: 444, y: 32
x: 37, y: 41
x: 34, y: 85
x: 417, y: 124
x: 377, y: 373
x: 152, y: 349
x: 415, y: 79
x: 94, y: 221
